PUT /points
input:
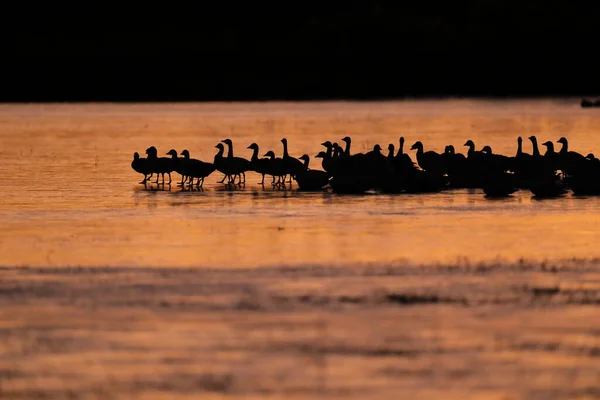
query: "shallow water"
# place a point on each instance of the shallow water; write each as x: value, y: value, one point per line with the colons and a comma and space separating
x: 71, y: 197
x: 111, y: 290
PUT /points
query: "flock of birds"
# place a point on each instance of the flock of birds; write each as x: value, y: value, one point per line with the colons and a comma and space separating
x: 545, y: 175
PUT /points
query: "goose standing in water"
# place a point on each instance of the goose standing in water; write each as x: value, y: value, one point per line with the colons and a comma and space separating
x: 162, y: 165
x: 327, y: 160
x: 545, y: 182
x: 220, y: 164
x: 428, y: 160
x: 522, y: 165
x: 196, y: 168
x: 291, y: 165
x: 311, y: 179
x: 140, y: 165
x: 570, y: 162
x: 402, y: 161
x: 259, y: 165
x: 276, y: 168
x: 348, y: 142
x: 237, y: 165
x: 552, y: 161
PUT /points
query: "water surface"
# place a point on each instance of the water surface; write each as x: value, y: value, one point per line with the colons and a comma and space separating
x: 71, y: 197
x: 112, y: 290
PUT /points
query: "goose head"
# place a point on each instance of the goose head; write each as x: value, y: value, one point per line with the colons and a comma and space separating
x: 401, y: 140
x: 321, y: 154
x: 486, y: 149
x: 533, y: 139
x: 519, y: 140
x: 377, y: 148
x: 151, y: 150
x: 391, y: 147
x: 185, y: 154
x: 253, y: 146
x: 136, y: 156
x: 228, y: 142
x: 418, y: 145
x: 172, y: 152
x: 590, y: 156
x: 327, y: 144
x: 269, y: 154
x: 469, y: 143
x: 304, y: 157
x: 284, y: 141
x: 562, y: 140
x: 346, y: 139
x: 450, y: 149
x: 220, y: 146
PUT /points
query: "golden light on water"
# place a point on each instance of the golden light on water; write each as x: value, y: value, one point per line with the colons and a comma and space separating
x: 255, y: 293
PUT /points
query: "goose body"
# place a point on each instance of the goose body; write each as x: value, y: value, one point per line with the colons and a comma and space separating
x: 141, y: 165
x: 311, y: 179
x: 291, y: 165
x: 259, y: 165
x: 196, y: 169
x: 428, y: 160
x: 237, y: 166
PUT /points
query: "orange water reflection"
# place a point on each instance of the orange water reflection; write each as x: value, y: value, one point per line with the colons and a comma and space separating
x: 71, y: 198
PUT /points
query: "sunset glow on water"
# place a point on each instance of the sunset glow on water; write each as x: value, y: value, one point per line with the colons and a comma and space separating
x: 109, y: 288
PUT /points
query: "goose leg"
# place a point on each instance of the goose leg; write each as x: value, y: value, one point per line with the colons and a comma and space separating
x: 223, y: 180
x: 157, y: 176
x: 169, y: 177
x: 263, y: 180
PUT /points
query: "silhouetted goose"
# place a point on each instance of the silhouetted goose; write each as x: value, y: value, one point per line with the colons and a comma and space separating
x: 474, y: 158
x: 496, y: 162
x: 402, y: 161
x: 291, y: 165
x: 259, y: 165
x: 182, y: 166
x: 541, y: 171
x: 311, y: 179
x: 348, y: 142
x: 456, y: 168
x: 326, y: 162
x: 140, y: 165
x: 391, y: 150
x: 428, y: 160
x: 536, y: 150
x: 196, y: 169
x: 570, y: 161
x: 161, y: 165
x: 337, y: 150
x: 221, y: 164
x: 276, y: 167
x: 522, y: 165
x: 237, y: 165
x: 376, y: 153
x: 550, y: 157
x: 592, y: 157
